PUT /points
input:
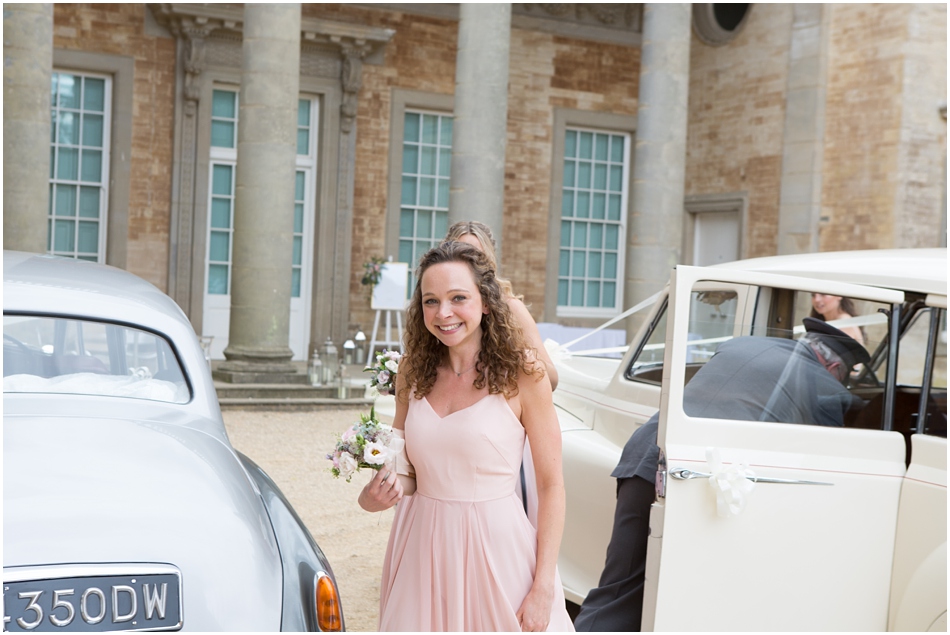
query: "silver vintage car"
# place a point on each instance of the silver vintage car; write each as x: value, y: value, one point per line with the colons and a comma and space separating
x: 125, y: 507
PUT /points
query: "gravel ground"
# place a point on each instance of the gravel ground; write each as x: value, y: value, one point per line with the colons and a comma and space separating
x: 291, y: 448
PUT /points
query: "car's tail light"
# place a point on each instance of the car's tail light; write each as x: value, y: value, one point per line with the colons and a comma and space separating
x: 329, y: 614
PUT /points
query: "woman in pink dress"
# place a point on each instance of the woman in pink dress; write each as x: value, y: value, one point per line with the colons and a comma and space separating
x: 462, y: 555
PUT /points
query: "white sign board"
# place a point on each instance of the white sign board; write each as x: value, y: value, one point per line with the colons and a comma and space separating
x: 389, y: 294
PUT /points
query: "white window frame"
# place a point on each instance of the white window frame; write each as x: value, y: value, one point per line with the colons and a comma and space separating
x: 228, y: 157
x: 103, y: 185
x: 598, y: 312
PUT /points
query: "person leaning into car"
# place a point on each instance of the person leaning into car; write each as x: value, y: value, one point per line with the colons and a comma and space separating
x: 751, y: 379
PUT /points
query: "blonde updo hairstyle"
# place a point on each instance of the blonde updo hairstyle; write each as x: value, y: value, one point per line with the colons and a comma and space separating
x: 504, y: 353
x: 486, y: 239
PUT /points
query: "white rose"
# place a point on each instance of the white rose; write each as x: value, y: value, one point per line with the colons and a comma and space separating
x: 348, y: 465
x: 375, y: 453
x: 392, y: 366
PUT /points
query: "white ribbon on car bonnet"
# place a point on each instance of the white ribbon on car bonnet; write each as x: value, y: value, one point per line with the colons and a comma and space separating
x: 731, y: 483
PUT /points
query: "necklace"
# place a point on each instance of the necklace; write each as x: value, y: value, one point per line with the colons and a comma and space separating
x: 462, y: 372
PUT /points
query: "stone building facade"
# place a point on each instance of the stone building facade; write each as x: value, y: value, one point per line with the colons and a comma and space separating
x: 808, y: 128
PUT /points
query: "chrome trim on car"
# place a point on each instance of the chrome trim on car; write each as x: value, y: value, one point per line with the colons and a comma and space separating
x: 683, y: 474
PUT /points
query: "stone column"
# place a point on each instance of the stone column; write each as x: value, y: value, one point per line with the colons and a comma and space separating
x: 799, y: 211
x: 655, y: 228
x: 27, y: 73
x: 258, y: 342
x: 480, y: 129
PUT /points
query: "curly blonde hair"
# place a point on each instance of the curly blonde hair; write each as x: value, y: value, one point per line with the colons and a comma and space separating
x: 504, y: 350
x: 486, y: 239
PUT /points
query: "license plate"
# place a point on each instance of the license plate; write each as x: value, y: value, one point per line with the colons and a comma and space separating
x: 92, y: 598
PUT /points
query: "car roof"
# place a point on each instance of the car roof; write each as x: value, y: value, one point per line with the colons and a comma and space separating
x: 50, y: 284
x: 917, y: 270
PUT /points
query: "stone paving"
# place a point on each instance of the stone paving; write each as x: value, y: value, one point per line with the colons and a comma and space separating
x: 291, y: 448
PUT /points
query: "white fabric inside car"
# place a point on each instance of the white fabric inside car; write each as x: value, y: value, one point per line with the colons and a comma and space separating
x: 98, y: 384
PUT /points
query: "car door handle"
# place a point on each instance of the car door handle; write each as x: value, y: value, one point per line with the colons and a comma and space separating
x: 683, y: 474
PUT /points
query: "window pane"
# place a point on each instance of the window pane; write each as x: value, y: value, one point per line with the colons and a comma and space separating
x: 410, y: 159
x: 586, y: 149
x: 408, y: 190
x: 220, y: 247
x: 600, y: 176
x: 616, y: 149
x: 94, y: 94
x: 613, y: 209
x: 298, y: 218
x: 411, y: 127
x: 428, y: 161
x: 593, y: 294
x: 610, y: 295
x: 297, y: 250
x: 583, y: 174
x: 596, y: 236
x: 600, y: 205
x: 67, y: 164
x: 565, y: 233
x: 407, y: 222
x: 570, y: 143
x: 610, y: 265
x: 427, y: 192
x: 222, y: 134
x: 52, y: 127
x: 92, y: 166
x: 88, y: 237
x: 88, y: 202
x: 217, y: 279
x: 223, y: 104
x: 405, y: 252
x: 221, y: 180
x: 583, y: 205
x: 92, y: 130
x: 564, y: 264
x: 68, y: 128
x: 569, y: 171
x: 445, y: 162
x: 69, y: 91
x: 612, y: 235
x: 220, y: 213
x: 445, y: 138
x: 300, y: 183
x: 295, y: 283
x: 578, y: 262
x: 65, y: 238
x: 580, y: 234
x: 303, y: 112
x: 424, y: 225
x: 303, y: 142
x: 52, y: 161
x: 65, y: 200
x: 601, y: 142
x: 616, y: 178
x: 430, y: 129
x: 562, y: 286
x: 577, y: 293
x: 441, y: 222
x: 567, y: 203
x: 593, y: 264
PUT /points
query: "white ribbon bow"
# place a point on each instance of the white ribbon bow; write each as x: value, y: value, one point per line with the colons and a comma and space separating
x: 731, y: 483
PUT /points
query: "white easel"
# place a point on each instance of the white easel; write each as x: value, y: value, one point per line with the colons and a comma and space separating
x: 389, y: 295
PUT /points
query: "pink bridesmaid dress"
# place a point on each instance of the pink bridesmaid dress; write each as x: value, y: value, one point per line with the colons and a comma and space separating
x: 462, y: 552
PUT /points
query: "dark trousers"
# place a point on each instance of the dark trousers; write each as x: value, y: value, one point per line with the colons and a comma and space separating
x: 617, y: 602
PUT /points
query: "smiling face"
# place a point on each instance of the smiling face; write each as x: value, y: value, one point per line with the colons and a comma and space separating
x: 827, y: 305
x: 452, y: 307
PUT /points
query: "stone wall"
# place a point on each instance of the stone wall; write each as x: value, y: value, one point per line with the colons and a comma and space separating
x: 736, y: 120
x: 119, y: 29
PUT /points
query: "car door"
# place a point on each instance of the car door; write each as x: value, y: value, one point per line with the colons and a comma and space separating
x: 798, y: 556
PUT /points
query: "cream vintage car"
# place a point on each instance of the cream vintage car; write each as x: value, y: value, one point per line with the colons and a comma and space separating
x: 864, y: 551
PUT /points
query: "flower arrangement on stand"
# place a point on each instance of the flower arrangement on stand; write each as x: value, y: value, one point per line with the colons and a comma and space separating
x: 384, y: 371
x: 366, y: 444
x: 372, y: 271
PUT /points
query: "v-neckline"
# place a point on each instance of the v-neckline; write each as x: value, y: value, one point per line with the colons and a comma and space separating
x: 454, y: 412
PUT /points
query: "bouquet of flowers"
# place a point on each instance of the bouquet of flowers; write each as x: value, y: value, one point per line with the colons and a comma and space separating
x: 384, y: 371
x: 367, y: 443
x: 372, y: 271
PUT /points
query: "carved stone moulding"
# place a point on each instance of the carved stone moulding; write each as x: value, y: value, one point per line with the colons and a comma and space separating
x: 622, y: 16
x: 226, y: 22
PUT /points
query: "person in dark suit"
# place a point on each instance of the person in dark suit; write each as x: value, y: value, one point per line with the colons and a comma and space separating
x: 749, y: 379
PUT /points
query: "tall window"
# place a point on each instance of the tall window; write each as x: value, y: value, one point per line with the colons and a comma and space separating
x: 424, y: 202
x: 306, y: 163
x: 79, y: 164
x: 593, y: 223
x: 224, y: 109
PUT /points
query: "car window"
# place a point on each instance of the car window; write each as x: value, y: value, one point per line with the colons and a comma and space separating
x: 57, y: 355
x: 924, y: 339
